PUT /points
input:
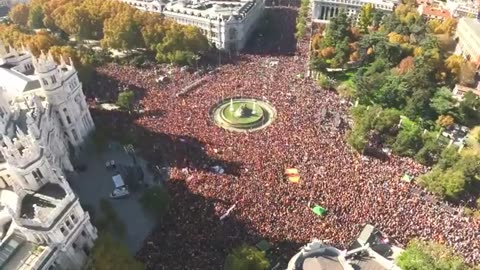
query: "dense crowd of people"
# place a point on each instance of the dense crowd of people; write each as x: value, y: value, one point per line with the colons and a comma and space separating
x: 355, y: 190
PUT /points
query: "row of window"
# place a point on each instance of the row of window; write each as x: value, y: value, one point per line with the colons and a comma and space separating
x: 53, y: 79
x: 28, y: 66
x: 358, y: 3
x: 37, y: 175
x: 69, y: 225
x: 73, y: 83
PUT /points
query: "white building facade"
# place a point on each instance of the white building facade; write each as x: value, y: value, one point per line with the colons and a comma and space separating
x: 463, y: 8
x: 43, y: 117
x: 324, y: 10
x: 226, y: 24
x: 468, y: 36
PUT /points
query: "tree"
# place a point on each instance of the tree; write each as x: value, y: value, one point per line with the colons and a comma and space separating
x: 421, y: 255
x: 126, y: 100
x: 327, y: 52
x: 467, y: 73
x: 407, y: 64
x: 35, y: 17
x: 392, y: 93
x: 42, y: 41
x: 79, y: 21
x: 110, y: 254
x: 448, y: 26
x: 377, y: 18
x: 408, y: 142
x: 386, y: 120
x: 442, y: 101
x: 246, y: 258
x: 19, y: 14
x: 372, y: 125
x: 445, y: 121
x: 181, y: 45
x: 338, y: 28
x: 430, y: 152
x: 397, y: 38
x: 469, y: 109
x: 448, y: 158
x: 156, y: 201
x: 454, y: 63
x: 365, y: 18
x: 123, y: 31
x: 433, y: 24
x: 453, y: 175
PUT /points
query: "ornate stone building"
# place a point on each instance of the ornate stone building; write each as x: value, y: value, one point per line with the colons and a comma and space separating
x: 43, y: 117
x: 226, y: 24
x: 323, y: 10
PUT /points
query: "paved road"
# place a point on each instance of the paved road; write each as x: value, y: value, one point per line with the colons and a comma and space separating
x: 96, y: 183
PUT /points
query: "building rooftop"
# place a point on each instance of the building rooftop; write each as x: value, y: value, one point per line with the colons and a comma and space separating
x: 13, y: 252
x: 459, y: 91
x: 370, y: 251
x: 437, y: 12
x: 367, y: 263
x: 40, y: 204
x: 12, y: 79
x: 323, y: 262
x: 211, y: 9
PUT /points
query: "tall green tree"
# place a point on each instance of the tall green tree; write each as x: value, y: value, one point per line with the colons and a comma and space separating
x: 409, y: 141
x: 469, y: 109
x: 442, y: 101
x: 110, y: 254
x: 365, y: 18
x: 35, y: 17
x: 246, y: 258
x: 126, y: 100
x: 430, y: 151
x: 421, y: 255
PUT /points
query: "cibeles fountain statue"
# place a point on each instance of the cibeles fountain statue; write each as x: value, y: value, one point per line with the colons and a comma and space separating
x: 243, y: 111
x: 243, y: 114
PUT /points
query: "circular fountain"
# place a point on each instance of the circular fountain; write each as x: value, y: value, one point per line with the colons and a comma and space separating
x: 243, y: 114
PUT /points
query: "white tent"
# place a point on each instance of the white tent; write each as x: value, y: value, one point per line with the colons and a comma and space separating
x: 118, y: 181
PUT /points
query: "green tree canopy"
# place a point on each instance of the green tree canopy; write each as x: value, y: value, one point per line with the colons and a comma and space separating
x: 246, y: 258
x: 110, y: 254
x: 442, y: 101
x: 421, y: 255
x: 430, y: 151
x: 469, y: 109
x: 35, y: 17
x: 365, y: 18
x: 126, y: 99
x: 409, y: 141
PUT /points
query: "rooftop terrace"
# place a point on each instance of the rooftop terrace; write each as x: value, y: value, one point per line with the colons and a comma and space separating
x: 39, y: 205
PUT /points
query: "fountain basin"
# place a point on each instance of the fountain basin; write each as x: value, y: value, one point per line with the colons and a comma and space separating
x: 243, y: 114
